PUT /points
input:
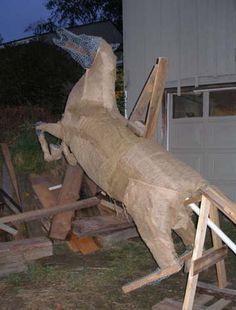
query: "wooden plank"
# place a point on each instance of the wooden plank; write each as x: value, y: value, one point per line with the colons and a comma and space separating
x: 202, y: 299
x: 217, y: 243
x: 86, y: 245
x: 8, y: 229
x: 168, y: 304
x: 194, y: 199
x: 40, y: 186
x: 12, y: 264
x: 156, y: 98
x: 223, y: 203
x: 89, y: 189
x: 15, y: 254
x: 209, y: 258
x: 144, y: 97
x: 109, y: 239
x: 138, y: 128
x: 219, y: 305
x: 152, y: 277
x: 92, y: 226
x: 210, y: 289
x: 11, y: 170
x: 70, y: 192
x: 24, y: 245
x: 37, y: 214
x: 197, y: 252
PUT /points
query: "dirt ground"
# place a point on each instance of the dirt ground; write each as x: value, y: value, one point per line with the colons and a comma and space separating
x: 70, y: 280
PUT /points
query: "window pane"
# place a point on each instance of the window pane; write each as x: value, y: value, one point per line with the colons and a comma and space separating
x: 222, y: 103
x: 188, y: 106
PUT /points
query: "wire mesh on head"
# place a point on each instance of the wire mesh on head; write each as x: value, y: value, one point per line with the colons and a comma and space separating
x: 82, y: 48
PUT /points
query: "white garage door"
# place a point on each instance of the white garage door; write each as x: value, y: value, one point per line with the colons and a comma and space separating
x: 202, y: 133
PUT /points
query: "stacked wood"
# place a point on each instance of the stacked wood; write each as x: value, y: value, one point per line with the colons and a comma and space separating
x: 14, y: 255
x: 92, y: 226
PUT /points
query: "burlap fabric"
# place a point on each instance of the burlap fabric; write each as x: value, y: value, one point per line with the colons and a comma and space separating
x: 150, y: 182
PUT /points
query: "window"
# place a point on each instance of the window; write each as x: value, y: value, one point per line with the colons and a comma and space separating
x: 222, y: 103
x: 188, y: 105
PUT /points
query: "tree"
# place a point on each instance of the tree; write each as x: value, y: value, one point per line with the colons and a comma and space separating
x: 1, y: 38
x: 36, y: 74
x: 41, y: 26
x: 72, y: 12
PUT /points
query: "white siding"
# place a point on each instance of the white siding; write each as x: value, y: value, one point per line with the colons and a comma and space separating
x: 198, y: 37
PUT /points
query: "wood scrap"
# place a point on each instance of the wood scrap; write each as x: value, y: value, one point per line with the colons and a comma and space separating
x: 86, y: 245
x: 154, y: 276
x: 14, y: 255
x: 209, y: 258
x: 40, y: 186
x: 11, y: 170
x: 106, y: 240
x: 70, y: 192
x: 89, y: 189
x: 38, y: 214
x: 210, y: 289
x: 92, y: 226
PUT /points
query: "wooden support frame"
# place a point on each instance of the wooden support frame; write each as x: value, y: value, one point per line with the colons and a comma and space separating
x: 211, y: 201
x: 150, y: 99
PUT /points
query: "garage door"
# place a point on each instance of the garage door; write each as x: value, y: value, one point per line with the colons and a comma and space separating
x: 202, y: 133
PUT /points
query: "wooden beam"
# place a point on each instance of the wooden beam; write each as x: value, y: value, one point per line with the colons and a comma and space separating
x: 154, y: 276
x: 8, y: 229
x: 37, y: 214
x: 197, y: 253
x: 70, y: 192
x: 156, y: 98
x: 40, y: 186
x: 223, y: 203
x: 219, y: 305
x: 217, y: 244
x: 209, y: 258
x: 138, y: 128
x: 92, y: 226
x: 144, y: 98
x: 11, y: 170
x: 210, y: 289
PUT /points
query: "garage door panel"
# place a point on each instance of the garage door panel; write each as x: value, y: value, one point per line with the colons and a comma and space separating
x: 221, y: 134
x: 187, y: 135
x: 221, y: 166
x: 228, y: 189
x: 192, y: 159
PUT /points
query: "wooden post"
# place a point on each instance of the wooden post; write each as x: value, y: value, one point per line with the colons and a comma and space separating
x: 70, y: 192
x: 156, y: 98
x: 197, y: 252
x: 144, y: 97
x: 217, y: 243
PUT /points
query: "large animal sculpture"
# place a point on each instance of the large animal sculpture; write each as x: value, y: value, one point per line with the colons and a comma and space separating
x: 141, y: 174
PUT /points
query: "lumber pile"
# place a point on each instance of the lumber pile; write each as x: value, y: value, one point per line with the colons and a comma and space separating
x: 14, y: 255
x: 83, y: 217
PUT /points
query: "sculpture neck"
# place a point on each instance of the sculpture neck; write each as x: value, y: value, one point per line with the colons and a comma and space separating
x: 99, y: 82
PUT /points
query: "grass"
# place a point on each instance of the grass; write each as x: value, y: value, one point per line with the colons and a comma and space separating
x: 26, y: 151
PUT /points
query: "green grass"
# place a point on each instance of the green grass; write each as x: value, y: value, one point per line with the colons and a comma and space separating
x: 26, y: 152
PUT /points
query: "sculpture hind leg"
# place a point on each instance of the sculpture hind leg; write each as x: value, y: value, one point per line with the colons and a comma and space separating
x: 152, y: 214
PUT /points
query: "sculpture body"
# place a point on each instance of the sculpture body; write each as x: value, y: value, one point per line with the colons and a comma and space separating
x: 150, y: 182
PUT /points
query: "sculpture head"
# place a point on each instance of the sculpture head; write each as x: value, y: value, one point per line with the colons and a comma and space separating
x: 82, y: 48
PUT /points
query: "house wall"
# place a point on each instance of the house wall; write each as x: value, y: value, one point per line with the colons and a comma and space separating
x: 197, y: 36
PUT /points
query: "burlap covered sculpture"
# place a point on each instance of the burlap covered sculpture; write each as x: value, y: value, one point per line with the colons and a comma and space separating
x: 149, y: 181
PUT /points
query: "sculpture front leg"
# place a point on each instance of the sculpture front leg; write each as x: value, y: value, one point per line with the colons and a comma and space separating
x: 55, y: 151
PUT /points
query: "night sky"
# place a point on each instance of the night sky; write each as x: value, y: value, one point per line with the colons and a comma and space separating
x: 16, y: 15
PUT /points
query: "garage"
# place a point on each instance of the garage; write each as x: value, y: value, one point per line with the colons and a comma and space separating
x: 201, y: 131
